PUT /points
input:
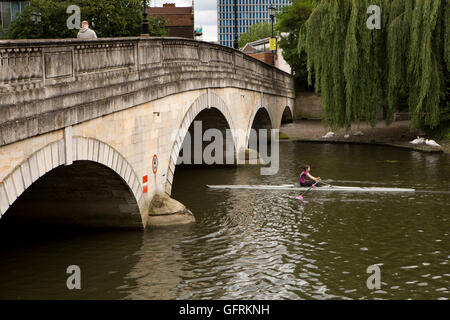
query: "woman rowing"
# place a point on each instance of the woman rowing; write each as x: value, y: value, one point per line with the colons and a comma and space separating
x: 306, y: 175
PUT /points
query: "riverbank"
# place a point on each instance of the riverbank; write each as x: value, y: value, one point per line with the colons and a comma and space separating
x: 398, y: 134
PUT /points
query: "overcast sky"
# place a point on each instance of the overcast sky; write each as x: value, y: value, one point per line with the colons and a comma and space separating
x: 205, y: 15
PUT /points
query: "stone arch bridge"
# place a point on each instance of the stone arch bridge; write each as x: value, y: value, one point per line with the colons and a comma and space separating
x: 81, y: 121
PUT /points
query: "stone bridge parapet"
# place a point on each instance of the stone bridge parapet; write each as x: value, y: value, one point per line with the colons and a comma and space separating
x: 47, y: 85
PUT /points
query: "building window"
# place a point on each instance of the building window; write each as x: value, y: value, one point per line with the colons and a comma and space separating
x: 15, y: 10
x: 10, y: 10
x: 6, y: 14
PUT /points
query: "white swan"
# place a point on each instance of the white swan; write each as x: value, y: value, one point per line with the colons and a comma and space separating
x: 432, y: 143
x: 418, y: 141
x: 328, y: 135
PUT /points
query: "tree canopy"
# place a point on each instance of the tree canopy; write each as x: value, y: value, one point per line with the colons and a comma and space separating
x: 118, y: 18
x: 289, y: 22
x: 360, y: 71
x: 257, y: 31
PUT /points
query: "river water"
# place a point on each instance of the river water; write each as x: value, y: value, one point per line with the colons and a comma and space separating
x: 260, y: 244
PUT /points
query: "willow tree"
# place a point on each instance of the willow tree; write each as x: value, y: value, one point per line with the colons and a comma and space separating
x: 425, y: 71
x: 361, y: 71
x: 364, y: 64
x: 323, y: 38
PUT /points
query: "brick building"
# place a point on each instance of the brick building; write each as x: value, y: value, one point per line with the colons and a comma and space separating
x: 260, y: 50
x: 180, y: 20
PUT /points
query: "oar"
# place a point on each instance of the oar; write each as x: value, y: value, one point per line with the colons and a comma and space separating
x: 300, y: 197
x: 326, y: 184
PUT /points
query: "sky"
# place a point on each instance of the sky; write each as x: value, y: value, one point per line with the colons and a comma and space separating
x: 205, y: 15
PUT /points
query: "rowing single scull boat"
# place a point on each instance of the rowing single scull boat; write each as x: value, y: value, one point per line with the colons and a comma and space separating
x: 292, y: 187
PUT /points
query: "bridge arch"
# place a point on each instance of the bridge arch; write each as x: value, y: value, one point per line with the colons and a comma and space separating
x: 206, y: 101
x: 261, y: 118
x: 51, y: 159
x: 287, y: 116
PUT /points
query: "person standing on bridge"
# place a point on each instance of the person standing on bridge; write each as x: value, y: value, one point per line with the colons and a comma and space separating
x: 85, y: 32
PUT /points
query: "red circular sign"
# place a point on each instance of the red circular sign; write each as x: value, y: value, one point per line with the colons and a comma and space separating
x: 155, y: 164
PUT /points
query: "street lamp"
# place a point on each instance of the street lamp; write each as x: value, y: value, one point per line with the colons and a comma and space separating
x: 272, y: 11
x: 291, y: 41
x: 144, y: 31
x: 36, y: 17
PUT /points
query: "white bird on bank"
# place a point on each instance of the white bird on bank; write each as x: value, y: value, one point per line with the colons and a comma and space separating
x: 328, y: 135
x: 432, y: 143
x: 418, y: 141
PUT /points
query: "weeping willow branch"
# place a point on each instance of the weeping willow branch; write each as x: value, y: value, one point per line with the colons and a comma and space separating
x: 360, y: 72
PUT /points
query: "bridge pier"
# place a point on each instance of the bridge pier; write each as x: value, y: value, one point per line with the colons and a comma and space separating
x: 165, y: 211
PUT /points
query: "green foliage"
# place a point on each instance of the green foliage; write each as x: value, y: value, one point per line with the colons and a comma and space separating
x: 283, y: 136
x: 361, y: 71
x: 289, y: 22
x: 119, y: 18
x: 364, y: 65
x: 256, y: 32
x: 2, y: 33
x: 446, y: 22
x: 324, y: 37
